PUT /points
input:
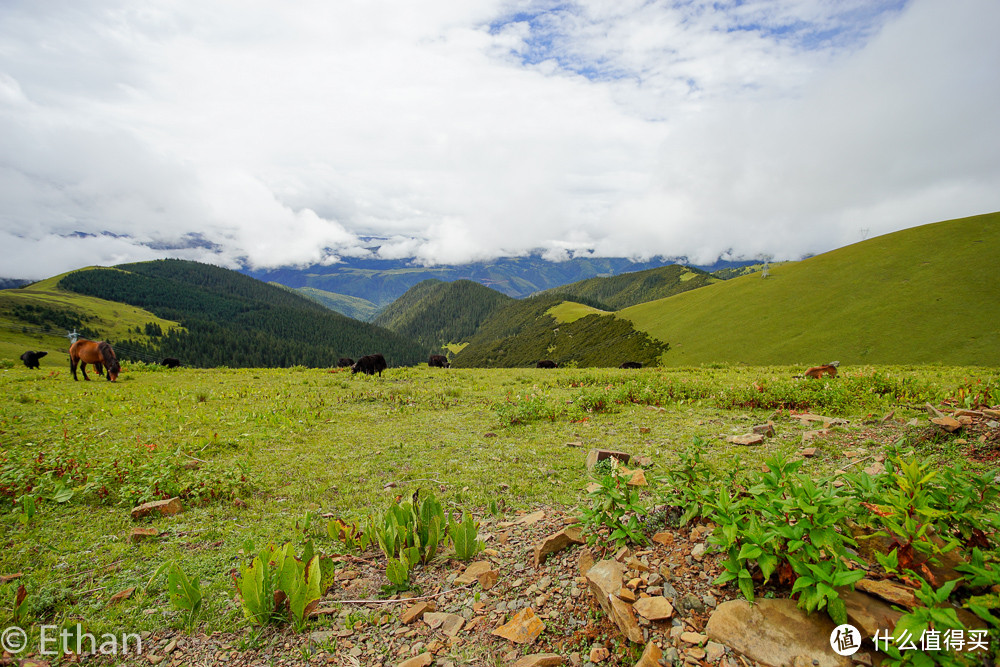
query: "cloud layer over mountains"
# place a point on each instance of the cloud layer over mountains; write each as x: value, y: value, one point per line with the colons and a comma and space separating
x: 261, y: 133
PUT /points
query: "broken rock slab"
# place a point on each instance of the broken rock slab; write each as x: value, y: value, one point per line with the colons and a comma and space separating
x: 774, y: 632
x: 605, y: 580
x: 524, y: 628
x: 416, y: 612
x: 655, y: 608
x: 650, y: 657
x: 472, y: 573
x: 596, y: 455
x: 162, y: 507
x: 557, y: 542
x: 540, y: 660
x: 748, y: 440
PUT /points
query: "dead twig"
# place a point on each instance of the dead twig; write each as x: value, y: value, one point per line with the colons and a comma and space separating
x: 330, y: 610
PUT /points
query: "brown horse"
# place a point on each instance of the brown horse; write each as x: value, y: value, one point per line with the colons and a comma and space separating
x: 85, y: 352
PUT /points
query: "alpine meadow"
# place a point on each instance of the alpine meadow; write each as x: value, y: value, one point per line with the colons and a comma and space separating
x: 264, y: 503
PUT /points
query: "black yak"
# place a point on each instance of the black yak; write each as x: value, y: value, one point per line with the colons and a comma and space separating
x: 438, y: 361
x: 30, y: 358
x: 370, y: 364
x: 631, y: 364
x: 344, y: 362
x: 546, y: 363
x: 171, y: 362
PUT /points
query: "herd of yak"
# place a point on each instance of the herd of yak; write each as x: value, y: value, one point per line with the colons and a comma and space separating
x: 104, y: 357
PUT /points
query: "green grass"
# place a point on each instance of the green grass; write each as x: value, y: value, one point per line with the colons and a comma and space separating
x: 352, y: 306
x: 570, y: 311
x: 112, y: 319
x: 328, y: 442
x: 926, y: 295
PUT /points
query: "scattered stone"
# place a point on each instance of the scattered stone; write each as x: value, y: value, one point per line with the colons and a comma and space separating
x: 605, y: 580
x: 655, y: 608
x: 637, y: 478
x: 599, y: 654
x: 161, y: 507
x: 596, y: 455
x: 651, y: 656
x: 693, y: 638
x: 472, y: 573
x: 949, y: 424
x: 123, y: 595
x: 665, y: 538
x: 585, y: 562
x: 139, y: 534
x: 868, y: 613
x: 809, y: 452
x: 488, y: 580
x: 539, y: 660
x: 746, y: 440
x: 524, y: 628
x: 774, y: 632
x: 422, y: 660
x: 888, y: 591
x: 714, y: 651
x: 698, y: 552
x: 766, y: 430
x: 622, y: 615
x: 557, y: 542
x: 450, y: 624
x: 416, y: 612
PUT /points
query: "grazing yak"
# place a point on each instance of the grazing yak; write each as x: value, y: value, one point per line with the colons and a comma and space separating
x: 171, y: 362
x: 370, y: 364
x: 631, y: 364
x: 546, y: 363
x: 30, y: 358
x: 818, y: 371
x: 438, y: 361
x: 344, y: 362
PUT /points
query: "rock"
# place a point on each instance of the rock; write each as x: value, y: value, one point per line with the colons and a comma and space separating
x: 595, y: 455
x: 472, y: 573
x: 161, y: 507
x: 524, y: 628
x: 605, y: 580
x: 650, y: 657
x: 450, y: 624
x: 585, y: 562
x: 123, y: 595
x: 599, y: 654
x: 714, y: 651
x: 488, y: 580
x: 557, y: 542
x: 139, y: 534
x: 530, y: 519
x: 539, y: 660
x: 654, y: 608
x: 637, y: 478
x: 889, y: 591
x: 808, y: 452
x: 766, y: 430
x: 422, y: 660
x: 774, y: 632
x: 664, y: 538
x: 693, y: 638
x: 949, y: 424
x: 698, y: 552
x: 622, y: 615
x: 868, y: 613
x: 747, y: 440
x: 416, y: 612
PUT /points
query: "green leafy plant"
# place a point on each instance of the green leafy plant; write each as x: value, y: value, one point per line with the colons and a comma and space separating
x: 417, y: 523
x: 277, y: 585
x: 615, y: 506
x: 349, y: 534
x: 688, y: 484
x: 27, y: 510
x: 464, y: 535
x: 184, y: 593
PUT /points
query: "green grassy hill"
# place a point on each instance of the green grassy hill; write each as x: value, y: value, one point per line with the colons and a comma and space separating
x: 629, y: 289
x: 352, y: 306
x: 547, y: 327
x: 435, y: 313
x: 38, y: 316
x: 929, y: 294
x: 225, y: 318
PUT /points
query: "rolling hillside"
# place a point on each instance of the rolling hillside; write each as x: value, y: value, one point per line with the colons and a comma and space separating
x: 529, y: 329
x: 435, y: 313
x: 225, y: 318
x: 629, y: 289
x: 352, y: 306
x: 927, y: 294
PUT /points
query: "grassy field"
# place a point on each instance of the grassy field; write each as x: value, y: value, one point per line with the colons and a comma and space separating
x: 569, y: 311
x: 923, y: 295
x: 254, y: 450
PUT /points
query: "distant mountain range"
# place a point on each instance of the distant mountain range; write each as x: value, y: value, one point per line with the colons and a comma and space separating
x: 380, y: 282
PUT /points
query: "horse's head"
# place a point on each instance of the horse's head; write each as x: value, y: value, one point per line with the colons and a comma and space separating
x: 110, y: 361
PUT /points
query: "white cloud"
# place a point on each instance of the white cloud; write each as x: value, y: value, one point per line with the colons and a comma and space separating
x: 279, y: 134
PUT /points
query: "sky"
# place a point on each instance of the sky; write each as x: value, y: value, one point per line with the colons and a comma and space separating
x: 260, y: 133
